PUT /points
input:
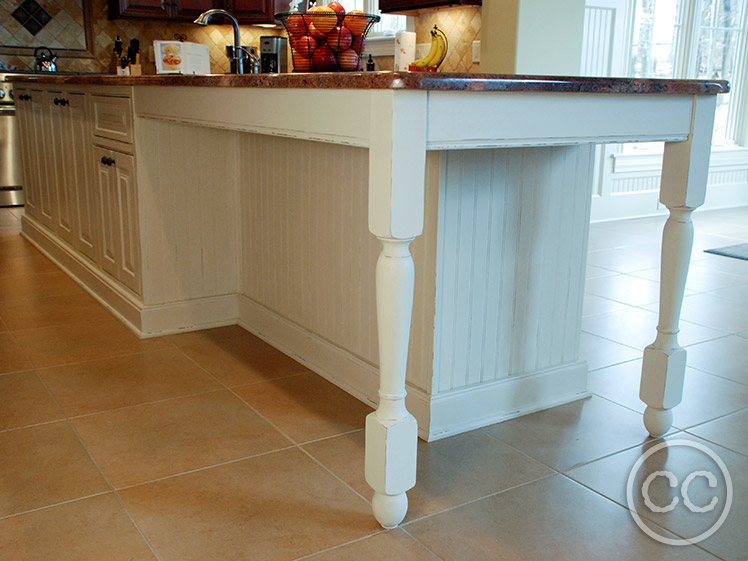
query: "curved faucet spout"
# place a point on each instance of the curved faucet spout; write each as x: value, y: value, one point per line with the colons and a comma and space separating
x: 239, y: 54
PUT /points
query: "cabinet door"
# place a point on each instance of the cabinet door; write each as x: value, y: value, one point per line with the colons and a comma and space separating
x: 160, y: 9
x: 251, y: 11
x: 83, y: 191
x: 59, y: 164
x: 45, y: 160
x: 29, y: 155
x: 190, y: 9
x: 120, y: 241
x: 106, y: 185
x: 126, y: 190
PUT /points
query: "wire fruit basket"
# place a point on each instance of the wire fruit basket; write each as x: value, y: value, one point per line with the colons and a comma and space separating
x: 323, y: 40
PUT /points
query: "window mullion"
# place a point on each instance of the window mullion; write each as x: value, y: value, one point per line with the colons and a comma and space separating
x: 737, y: 123
x: 688, y: 36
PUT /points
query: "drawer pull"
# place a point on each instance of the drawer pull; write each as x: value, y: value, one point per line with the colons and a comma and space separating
x: 107, y: 161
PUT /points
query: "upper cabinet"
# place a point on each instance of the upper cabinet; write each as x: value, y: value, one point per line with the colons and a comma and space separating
x: 245, y: 11
x: 405, y: 6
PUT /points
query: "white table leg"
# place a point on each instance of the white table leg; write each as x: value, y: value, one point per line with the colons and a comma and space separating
x: 392, y: 432
x: 684, y: 176
x: 397, y: 162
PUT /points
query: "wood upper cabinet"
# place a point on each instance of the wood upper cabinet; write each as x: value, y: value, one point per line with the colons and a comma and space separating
x: 405, y: 6
x: 245, y: 11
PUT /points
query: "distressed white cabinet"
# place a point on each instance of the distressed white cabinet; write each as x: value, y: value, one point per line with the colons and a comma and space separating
x: 120, y: 242
x: 89, y: 209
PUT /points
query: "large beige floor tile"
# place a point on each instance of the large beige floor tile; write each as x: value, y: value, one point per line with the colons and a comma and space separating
x: 730, y: 431
x: 24, y: 401
x: 450, y: 472
x: 574, y: 433
x: 93, y: 529
x: 213, y: 335
x: 701, y: 278
x: 22, y: 287
x: 599, y: 352
x: 112, y: 383
x: 26, y: 268
x: 275, y: 507
x: 236, y: 359
x: 552, y: 519
x: 53, y: 346
x: 609, y: 477
x: 705, y: 397
x: 712, y: 312
x: 628, y: 289
x: 156, y: 440
x: 51, y: 310
x: 12, y: 356
x: 637, y: 327
x: 44, y: 465
x: 306, y: 407
x: 726, y: 357
x: 387, y: 546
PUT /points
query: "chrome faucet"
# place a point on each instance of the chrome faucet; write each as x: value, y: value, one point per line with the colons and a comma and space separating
x: 242, y: 61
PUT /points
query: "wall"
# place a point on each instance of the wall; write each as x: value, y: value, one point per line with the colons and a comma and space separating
x: 105, y: 31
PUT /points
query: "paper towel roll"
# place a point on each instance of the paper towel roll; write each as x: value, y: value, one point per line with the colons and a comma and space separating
x: 405, y: 49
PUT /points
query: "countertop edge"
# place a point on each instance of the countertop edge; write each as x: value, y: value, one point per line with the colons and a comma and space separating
x: 398, y: 81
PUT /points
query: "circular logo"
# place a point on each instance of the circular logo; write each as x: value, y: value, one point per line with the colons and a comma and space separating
x: 709, y: 478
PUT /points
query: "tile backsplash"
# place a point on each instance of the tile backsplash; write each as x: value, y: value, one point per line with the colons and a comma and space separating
x: 146, y: 30
x: 462, y: 26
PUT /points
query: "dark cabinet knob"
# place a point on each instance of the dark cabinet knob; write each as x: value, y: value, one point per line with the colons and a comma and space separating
x: 56, y: 101
x: 64, y: 102
x: 107, y: 161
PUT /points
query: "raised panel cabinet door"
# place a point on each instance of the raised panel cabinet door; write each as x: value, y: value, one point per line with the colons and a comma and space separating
x: 29, y: 156
x: 190, y: 9
x: 160, y: 9
x: 45, y: 159
x: 59, y: 160
x: 126, y: 189
x: 251, y: 11
x: 111, y: 251
x: 85, y: 199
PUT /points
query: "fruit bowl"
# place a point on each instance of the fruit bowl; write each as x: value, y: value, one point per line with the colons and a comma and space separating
x: 325, y: 39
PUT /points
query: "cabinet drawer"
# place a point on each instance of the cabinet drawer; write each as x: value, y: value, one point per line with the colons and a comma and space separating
x: 112, y: 117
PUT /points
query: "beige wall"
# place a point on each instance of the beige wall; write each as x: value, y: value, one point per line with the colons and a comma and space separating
x: 532, y: 36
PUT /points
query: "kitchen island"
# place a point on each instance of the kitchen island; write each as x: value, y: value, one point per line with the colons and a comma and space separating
x: 197, y: 201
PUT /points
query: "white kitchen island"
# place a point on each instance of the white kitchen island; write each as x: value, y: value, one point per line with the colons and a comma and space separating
x: 253, y: 200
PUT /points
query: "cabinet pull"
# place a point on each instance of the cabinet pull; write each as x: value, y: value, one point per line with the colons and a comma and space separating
x: 107, y: 161
x: 24, y: 97
x: 56, y: 101
x: 64, y: 101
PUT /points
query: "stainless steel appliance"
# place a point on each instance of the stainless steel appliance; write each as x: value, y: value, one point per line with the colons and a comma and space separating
x: 11, y: 181
x: 273, y: 54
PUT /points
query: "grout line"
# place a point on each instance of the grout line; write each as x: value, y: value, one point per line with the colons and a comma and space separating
x: 381, y: 531
x: 45, y: 507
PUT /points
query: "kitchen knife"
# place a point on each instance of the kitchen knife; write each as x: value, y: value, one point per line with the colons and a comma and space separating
x: 133, y: 49
x: 118, y: 46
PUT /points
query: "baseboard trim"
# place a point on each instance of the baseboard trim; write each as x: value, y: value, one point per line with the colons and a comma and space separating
x: 438, y: 416
x: 144, y: 321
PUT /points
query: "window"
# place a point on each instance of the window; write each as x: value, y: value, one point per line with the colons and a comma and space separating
x: 690, y: 39
x: 389, y: 25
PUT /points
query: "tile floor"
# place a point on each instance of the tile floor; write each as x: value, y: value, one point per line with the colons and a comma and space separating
x: 214, y: 446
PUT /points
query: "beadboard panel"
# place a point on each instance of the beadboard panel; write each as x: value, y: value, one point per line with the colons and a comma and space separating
x: 188, y: 211
x: 512, y: 243
x: 308, y: 255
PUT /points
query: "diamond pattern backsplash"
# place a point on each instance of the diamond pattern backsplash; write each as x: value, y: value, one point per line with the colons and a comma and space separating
x: 57, y: 24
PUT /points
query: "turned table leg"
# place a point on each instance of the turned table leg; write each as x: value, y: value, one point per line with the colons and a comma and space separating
x: 684, y: 176
x: 664, y: 364
x: 392, y: 432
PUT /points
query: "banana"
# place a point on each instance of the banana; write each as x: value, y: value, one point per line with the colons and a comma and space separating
x: 424, y: 62
x: 437, y: 51
x: 441, y: 52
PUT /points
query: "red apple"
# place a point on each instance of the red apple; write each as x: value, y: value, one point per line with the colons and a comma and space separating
x: 297, y: 24
x: 301, y: 64
x: 349, y: 60
x: 323, y: 59
x: 319, y: 35
x: 340, y: 38
x: 304, y: 46
x: 358, y: 44
x: 339, y: 9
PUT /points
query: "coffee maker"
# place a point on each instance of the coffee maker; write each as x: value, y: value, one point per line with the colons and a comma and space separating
x: 273, y: 54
